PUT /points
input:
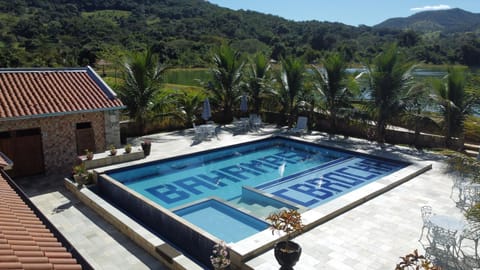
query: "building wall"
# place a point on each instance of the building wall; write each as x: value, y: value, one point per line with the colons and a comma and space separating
x: 59, y: 137
x: 112, y: 128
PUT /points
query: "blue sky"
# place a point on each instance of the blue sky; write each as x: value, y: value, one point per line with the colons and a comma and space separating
x: 352, y: 12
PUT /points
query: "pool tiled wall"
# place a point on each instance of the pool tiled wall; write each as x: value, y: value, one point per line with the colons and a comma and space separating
x: 167, y: 225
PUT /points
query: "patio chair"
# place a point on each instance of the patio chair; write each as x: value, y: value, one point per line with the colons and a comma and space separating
x: 301, y: 126
x: 211, y: 129
x: 458, y: 183
x: 445, y: 240
x: 471, y: 194
x: 471, y: 232
x: 427, y: 212
x: 255, y: 121
x: 199, y: 133
x: 241, y: 124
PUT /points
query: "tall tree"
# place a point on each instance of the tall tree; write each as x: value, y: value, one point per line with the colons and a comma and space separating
x: 189, y: 104
x: 142, y: 80
x: 258, y: 80
x: 227, y: 74
x: 417, y: 101
x: 454, y: 104
x: 331, y: 84
x: 388, y: 78
x: 290, y: 79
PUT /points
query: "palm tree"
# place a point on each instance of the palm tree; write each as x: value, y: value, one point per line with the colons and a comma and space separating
x: 189, y: 103
x: 417, y: 101
x: 142, y: 79
x: 331, y: 84
x: 454, y: 103
x: 290, y: 79
x: 258, y: 80
x: 227, y: 75
x: 388, y: 79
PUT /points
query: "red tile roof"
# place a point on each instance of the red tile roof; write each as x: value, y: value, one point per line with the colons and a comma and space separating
x: 25, y: 242
x: 44, y: 92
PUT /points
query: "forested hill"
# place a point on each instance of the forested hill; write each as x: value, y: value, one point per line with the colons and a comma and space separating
x: 183, y: 32
x: 450, y: 20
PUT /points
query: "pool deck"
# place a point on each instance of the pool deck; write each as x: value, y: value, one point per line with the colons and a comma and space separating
x: 370, y: 236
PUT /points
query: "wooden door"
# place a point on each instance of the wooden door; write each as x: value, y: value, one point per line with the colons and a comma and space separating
x: 85, y: 138
x: 28, y: 153
x: 24, y: 148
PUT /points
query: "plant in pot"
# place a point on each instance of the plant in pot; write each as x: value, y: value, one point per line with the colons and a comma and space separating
x: 415, y: 261
x: 88, y: 154
x: 219, y: 257
x: 113, y: 150
x: 146, y: 146
x: 80, y: 174
x: 289, y: 221
x: 128, y: 148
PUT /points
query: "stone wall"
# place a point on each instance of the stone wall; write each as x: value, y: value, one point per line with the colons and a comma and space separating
x: 59, y: 138
x: 112, y: 128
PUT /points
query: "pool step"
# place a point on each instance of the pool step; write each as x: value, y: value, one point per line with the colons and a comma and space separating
x: 258, y: 210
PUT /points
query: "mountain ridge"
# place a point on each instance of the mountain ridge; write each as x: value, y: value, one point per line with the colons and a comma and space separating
x: 449, y: 20
x: 186, y: 32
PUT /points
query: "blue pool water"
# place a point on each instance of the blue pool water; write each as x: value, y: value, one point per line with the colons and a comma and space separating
x: 316, y: 187
x: 222, y: 173
x: 225, y: 222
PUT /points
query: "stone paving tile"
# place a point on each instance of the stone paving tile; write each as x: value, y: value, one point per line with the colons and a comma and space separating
x: 371, y: 236
x: 381, y: 229
x: 99, y: 242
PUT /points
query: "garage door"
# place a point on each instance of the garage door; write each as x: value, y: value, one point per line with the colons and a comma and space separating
x: 24, y: 148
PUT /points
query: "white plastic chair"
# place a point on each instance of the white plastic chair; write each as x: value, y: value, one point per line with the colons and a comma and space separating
x: 301, y: 126
x: 242, y: 124
x: 199, y: 133
x: 211, y: 130
x: 255, y: 121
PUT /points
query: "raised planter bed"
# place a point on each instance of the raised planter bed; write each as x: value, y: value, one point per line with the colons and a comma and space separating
x: 106, y: 159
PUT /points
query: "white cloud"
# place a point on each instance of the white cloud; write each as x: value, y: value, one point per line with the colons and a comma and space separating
x: 425, y: 8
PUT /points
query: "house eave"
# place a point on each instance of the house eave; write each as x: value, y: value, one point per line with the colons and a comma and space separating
x: 26, y: 117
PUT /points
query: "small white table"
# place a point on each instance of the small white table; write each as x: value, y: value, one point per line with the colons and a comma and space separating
x: 448, y: 223
x: 243, y: 124
x: 208, y: 129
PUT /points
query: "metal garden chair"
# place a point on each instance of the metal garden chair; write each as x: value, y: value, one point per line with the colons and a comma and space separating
x: 427, y: 212
x: 471, y: 232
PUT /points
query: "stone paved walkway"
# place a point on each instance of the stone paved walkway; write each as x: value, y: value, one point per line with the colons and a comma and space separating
x: 370, y: 236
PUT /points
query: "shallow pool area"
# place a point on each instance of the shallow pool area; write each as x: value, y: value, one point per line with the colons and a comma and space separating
x: 223, y: 221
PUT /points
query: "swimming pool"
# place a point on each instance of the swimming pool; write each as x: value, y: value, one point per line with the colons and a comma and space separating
x: 256, y: 178
x: 280, y: 166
